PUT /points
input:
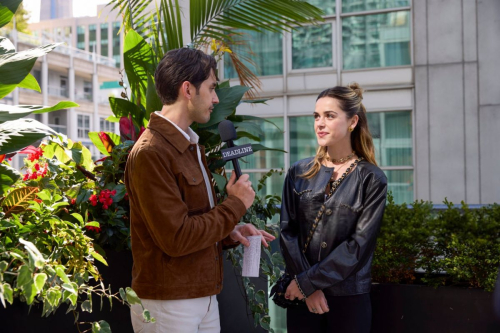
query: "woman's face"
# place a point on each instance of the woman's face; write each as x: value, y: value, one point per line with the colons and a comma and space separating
x: 330, y: 123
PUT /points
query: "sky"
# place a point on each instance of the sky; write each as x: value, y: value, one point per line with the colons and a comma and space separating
x: 80, y: 8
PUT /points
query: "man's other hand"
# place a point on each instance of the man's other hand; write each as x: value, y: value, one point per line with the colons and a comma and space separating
x: 240, y: 232
x: 241, y: 189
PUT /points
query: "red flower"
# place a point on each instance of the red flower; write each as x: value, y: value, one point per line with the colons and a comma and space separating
x: 33, y: 153
x: 73, y: 201
x: 38, y: 200
x: 93, y: 200
x: 106, y: 141
x: 94, y: 229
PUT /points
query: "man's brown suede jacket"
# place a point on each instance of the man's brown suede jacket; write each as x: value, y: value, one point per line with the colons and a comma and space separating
x: 176, y: 238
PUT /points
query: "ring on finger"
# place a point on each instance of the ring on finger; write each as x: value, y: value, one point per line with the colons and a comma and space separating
x: 314, y: 310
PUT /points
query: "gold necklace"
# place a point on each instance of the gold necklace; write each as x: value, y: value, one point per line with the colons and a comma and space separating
x: 340, y: 160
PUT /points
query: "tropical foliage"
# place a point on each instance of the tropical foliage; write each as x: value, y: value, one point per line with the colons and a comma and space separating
x: 59, y: 215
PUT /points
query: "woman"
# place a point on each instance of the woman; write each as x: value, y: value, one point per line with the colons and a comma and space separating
x: 331, y: 213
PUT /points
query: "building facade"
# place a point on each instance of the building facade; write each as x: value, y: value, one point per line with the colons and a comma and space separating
x: 72, y: 72
x: 55, y: 9
x: 432, y: 99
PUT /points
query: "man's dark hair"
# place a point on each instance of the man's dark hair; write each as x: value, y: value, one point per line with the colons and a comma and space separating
x: 178, y: 66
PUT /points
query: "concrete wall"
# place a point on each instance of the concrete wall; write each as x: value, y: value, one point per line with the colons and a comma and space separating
x: 457, y: 100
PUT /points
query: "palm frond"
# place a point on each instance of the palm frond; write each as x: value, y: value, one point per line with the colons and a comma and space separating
x: 214, y: 18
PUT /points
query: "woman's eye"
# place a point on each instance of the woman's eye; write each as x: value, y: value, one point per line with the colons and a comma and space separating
x: 316, y: 116
x: 330, y: 116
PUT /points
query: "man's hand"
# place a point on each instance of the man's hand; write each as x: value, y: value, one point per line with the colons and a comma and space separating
x: 242, y: 230
x: 241, y: 189
x: 317, y: 302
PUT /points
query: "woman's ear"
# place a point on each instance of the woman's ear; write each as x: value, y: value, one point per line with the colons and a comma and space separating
x: 354, y: 122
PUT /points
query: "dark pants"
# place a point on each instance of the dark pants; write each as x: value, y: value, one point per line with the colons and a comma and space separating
x: 348, y: 314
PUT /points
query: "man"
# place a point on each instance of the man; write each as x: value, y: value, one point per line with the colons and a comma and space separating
x: 177, y: 230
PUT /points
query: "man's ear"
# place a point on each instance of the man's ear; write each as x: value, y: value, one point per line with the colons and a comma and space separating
x: 187, y: 90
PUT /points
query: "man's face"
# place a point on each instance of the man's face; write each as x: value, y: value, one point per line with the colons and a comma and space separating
x: 202, y: 104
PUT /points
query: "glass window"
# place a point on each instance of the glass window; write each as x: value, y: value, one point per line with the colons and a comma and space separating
x: 349, y: 6
x: 400, y: 183
x: 392, y: 137
x: 264, y: 58
x: 271, y: 137
x: 380, y: 40
x: 327, y: 6
x: 312, y: 46
x: 106, y: 126
x: 303, y: 141
x: 116, y: 43
x: 92, y: 38
x: 83, y: 126
x: 87, y: 90
x: 104, y: 39
x: 80, y: 37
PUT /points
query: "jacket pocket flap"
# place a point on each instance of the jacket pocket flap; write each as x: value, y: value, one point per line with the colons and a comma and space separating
x: 192, y: 178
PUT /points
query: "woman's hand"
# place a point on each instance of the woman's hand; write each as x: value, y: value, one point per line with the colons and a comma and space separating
x: 293, y: 292
x: 317, y: 302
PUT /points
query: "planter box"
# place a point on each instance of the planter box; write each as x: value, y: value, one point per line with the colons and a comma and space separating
x: 17, y: 318
x: 413, y: 308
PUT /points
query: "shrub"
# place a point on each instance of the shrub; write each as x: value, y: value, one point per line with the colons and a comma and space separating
x: 454, y: 246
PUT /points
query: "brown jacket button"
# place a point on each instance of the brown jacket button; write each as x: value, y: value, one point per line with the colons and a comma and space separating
x: 191, y: 148
x: 194, y: 179
x: 323, y: 245
x: 328, y: 212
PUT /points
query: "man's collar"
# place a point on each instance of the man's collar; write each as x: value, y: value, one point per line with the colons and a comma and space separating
x: 169, y: 132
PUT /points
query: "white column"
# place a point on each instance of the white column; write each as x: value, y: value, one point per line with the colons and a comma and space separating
x: 71, y: 113
x: 15, y: 93
x: 95, y: 95
x: 45, y: 88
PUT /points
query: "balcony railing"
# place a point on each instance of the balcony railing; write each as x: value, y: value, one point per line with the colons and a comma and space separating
x: 63, y: 48
x: 84, y: 96
x: 59, y: 128
x: 58, y: 91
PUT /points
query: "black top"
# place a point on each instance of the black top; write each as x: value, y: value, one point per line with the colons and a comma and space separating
x: 339, y: 255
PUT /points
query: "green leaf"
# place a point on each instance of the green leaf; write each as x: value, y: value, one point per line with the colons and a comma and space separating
x: 60, y: 272
x: 29, y: 292
x: 53, y: 296
x: 13, y: 112
x: 25, y: 276
x: 6, y: 46
x: 229, y: 98
x: 221, y: 182
x: 265, y: 322
x: 99, y: 257
x: 123, y: 294
x: 8, y: 176
x: 14, y: 67
x: 7, y: 293
x: 17, y: 134
x: 30, y: 82
x: 123, y: 108
x: 257, y: 147
x: 260, y: 297
x: 93, y: 224
x: 101, y: 327
x: 34, y: 255
x: 86, y: 306
x: 132, y: 297
x: 71, y: 287
x: 7, y: 10
x: 40, y: 281
x: 147, y: 316
x: 113, y: 119
x: 96, y: 140
x: 153, y: 102
x: 79, y: 218
x: 45, y: 195
x: 62, y: 155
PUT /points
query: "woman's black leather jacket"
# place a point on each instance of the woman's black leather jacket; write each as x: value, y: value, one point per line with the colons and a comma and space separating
x: 339, y: 256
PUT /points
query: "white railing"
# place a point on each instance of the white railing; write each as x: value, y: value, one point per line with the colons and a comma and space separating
x: 63, y: 48
x: 58, y: 128
x: 58, y: 91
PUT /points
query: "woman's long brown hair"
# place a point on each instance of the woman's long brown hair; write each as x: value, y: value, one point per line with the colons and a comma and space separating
x: 349, y: 99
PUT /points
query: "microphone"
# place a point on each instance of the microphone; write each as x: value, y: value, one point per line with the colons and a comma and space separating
x: 232, y: 153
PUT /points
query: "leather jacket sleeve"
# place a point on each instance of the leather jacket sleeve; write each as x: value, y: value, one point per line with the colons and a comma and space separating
x: 295, y: 260
x: 351, y: 255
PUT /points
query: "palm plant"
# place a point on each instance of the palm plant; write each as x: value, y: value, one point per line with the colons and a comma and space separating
x: 149, y: 34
